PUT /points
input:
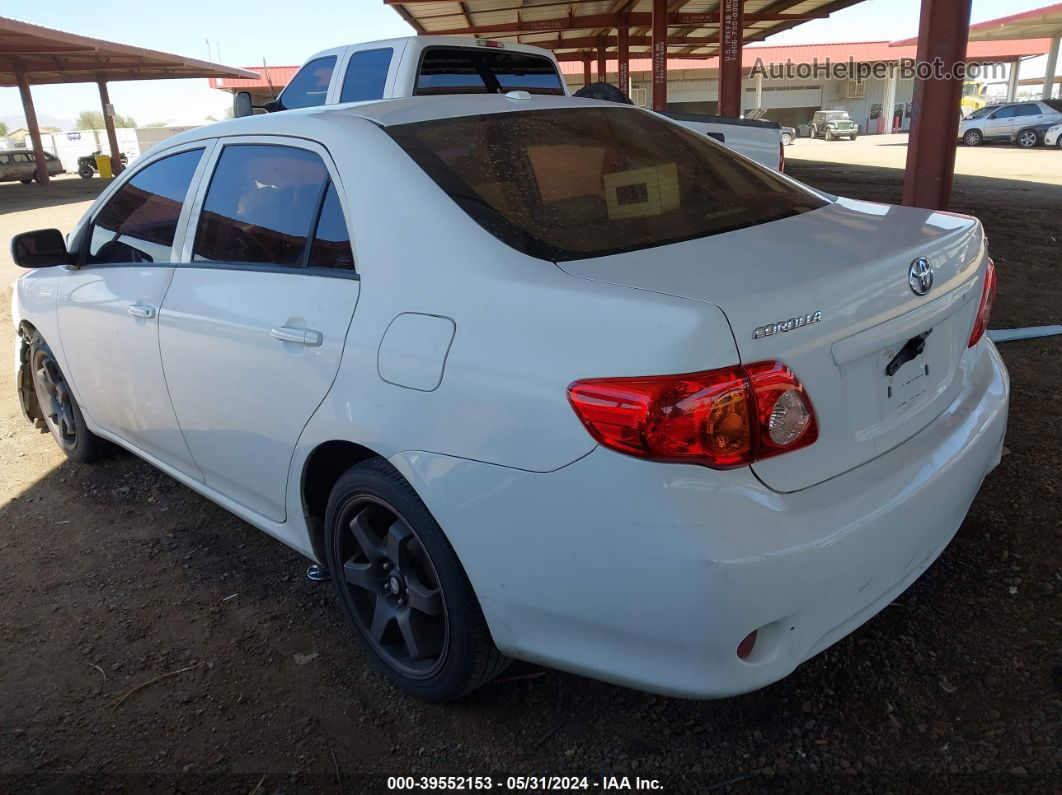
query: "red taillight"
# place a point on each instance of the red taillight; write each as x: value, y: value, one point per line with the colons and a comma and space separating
x: 721, y: 418
x: 984, y: 311
x: 781, y: 157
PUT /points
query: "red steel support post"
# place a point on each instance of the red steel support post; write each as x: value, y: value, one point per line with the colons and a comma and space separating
x: 943, y: 33
x: 602, y: 67
x: 659, y: 55
x: 108, y: 121
x: 731, y: 34
x: 32, y: 126
x: 586, y: 70
x: 623, y: 61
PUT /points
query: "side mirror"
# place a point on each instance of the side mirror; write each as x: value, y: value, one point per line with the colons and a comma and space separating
x: 41, y: 248
x: 241, y: 105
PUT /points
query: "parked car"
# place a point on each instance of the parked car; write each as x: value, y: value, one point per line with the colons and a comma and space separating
x: 22, y: 166
x: 87, y: 167
x: 832, y: 124
x: 451, y: 65
x: 1023, y: 124
x: 533, y: 377
x: 789, y: 135
x: 1053, y: 136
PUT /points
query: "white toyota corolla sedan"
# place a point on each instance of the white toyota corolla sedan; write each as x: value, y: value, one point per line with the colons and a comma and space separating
x: 532, y: 377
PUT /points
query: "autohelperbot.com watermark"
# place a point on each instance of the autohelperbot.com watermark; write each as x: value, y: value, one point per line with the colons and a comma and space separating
x: 850, y: 69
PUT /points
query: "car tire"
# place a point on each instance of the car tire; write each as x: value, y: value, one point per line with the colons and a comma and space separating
x: 403, y: 588
x: 1027, y: 139
x: 829, y: 135
x: 787, y: 139
x: 62, y: 415
x: 973, y: 138
x: 26, y: 181
x: 85, y: 172
x: 853, y: 137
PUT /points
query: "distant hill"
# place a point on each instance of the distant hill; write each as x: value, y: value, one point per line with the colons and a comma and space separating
x: 13, y: 122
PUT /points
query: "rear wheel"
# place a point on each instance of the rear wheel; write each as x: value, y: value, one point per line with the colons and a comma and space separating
x: 1027, y: 139
x: 403, y: 588
x: 787, y: 139
x: 973, y: 138
x: 62, y: 415
x: 26, y: 181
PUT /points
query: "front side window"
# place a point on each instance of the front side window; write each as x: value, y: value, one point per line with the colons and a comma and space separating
x: 464, y: 70
x: 366, y: 75
x: 139, y: 222
x: 1008, y: 112
x: 262, y: 206
x: 586, y: 182
x: 309, y: 87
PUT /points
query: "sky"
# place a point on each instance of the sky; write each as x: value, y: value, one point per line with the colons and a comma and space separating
x: 286, y: 33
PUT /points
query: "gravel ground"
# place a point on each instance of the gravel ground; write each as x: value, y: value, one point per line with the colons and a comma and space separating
x: 115, y: 576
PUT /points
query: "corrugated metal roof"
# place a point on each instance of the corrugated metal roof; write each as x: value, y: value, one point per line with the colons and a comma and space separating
x: 574, y: 27
x: 1037, y: 23
x: 278, y: 76
x: 46, y: 55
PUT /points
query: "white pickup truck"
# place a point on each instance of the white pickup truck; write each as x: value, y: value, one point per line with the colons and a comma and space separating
x: 420, y: 65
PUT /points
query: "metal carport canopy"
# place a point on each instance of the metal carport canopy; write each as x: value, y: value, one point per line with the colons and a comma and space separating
x: 32, y: 54
x: 1039, y: 23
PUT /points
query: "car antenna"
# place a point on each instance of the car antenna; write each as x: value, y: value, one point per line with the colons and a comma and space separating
x: 265, y: 73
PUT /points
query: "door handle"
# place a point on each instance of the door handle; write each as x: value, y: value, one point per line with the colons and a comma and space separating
x: 302, y: 336
x: 142, y: 310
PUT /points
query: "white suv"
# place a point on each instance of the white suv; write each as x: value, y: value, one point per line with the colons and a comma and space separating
x: 532, y: 377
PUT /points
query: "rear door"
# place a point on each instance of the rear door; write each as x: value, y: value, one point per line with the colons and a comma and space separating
x: 254, y: 323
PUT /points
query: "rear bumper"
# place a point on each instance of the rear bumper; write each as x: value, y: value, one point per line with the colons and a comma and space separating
x: 649, y: 575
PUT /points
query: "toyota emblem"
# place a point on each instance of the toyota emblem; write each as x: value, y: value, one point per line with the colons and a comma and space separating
x: 920, y: 276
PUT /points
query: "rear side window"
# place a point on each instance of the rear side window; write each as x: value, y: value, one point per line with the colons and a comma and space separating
x: 464, y: 70
x: 331, y: 245
x: 1053, y: 104
x: 366, y: 75
x: 309, y: 87
x: 1028, y: 110
x: 263, y: 205
x: 586, y: 182
x: 139, y: 222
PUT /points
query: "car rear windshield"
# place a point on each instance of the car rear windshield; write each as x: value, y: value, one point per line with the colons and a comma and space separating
x: 587, y: 182
x: 467, y: 70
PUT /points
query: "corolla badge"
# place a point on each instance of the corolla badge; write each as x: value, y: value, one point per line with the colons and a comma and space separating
x: 783, y: 326
x: 920, y: 276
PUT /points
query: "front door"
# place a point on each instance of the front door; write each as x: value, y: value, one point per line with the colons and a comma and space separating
x: 108, y: 308
x: 1000, y: 125
x: 255, y: 320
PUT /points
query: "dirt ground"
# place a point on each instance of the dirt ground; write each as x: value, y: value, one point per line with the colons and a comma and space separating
x: 115, y: 576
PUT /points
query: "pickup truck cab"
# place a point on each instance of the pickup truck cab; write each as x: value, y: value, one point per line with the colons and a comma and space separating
x: 432, y: 65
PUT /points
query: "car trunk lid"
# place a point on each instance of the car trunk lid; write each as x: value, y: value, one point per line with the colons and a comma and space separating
x: 828, y: 293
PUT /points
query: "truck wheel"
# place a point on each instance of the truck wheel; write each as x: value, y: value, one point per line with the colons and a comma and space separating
x: 62, y: 415
x: 85, y: 172
x: 829, y: 135
x: 973, y: 138
x: 853, y: 137
x: 402, y: 587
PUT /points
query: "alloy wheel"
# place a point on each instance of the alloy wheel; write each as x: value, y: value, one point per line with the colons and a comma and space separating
x: 1028, y: 139
x: 391, y: 584
x: 53, y: 394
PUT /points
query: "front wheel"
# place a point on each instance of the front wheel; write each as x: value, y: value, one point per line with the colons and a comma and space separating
x: 973, y: 138
x: 402, y: 587
x: 85, y: 172
x: 829, y: 135
x: 62, y: 415
x: 1027, y: 139
x: 26, y: 181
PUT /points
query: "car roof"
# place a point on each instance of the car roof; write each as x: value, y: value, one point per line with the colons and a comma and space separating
x: 324, y: 120
x: 422, y: 42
